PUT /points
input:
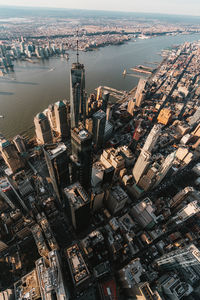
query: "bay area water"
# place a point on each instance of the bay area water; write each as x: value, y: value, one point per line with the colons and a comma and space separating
x: 32, y: 87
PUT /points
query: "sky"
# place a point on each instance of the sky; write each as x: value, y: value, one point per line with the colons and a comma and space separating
x: 188, y: 7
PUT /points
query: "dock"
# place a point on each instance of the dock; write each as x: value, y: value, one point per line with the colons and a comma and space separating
x: 142, y: 69
x: 119, y: 95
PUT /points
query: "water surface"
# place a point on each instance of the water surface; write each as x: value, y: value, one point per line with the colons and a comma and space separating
x: 32, y: 87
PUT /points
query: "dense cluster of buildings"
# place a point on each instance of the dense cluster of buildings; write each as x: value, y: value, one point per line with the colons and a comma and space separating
x: 104, y: 202
x: 44, y: 39
x: 25, y: 50
x: 61, y: 23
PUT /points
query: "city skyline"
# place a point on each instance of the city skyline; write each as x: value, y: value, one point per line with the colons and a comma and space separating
x: 176, y: 7
x: 109, y: 183
x: 100, y: 188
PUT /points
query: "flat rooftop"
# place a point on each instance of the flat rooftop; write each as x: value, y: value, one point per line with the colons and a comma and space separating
x: 118, y: 193
x: 76, y: 195
x: 78, y: 268
x: 27, y: 287
x: 81, y: 133
x: 54, y: 151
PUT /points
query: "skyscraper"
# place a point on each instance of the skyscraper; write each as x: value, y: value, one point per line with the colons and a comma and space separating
x: 141, y: 165
x: 77, y: 93
x: 131, y: 106
x: 181, y: 258
x: 140, y: 92
x: 11, y: 155
x: 185, y: 260
x: 167, y: 164
x: 19, y: 143
x: 51, y: 117
x: 81, y: 141
x: 105, y: 98
x: 99, y: 121
x: 78, y: 204
x: 152, y: 138
x: 58, y: 165
x: 42, y: 129
x: 89, y: 124
x: 61, y: 119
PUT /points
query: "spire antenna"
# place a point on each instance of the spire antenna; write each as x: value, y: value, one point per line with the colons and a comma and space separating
x: 77, y: 52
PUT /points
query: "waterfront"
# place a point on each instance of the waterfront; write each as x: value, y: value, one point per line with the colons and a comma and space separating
x: 33, y: 86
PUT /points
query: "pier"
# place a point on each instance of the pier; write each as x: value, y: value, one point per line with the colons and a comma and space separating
x: 142, y: 69
x: 121, y: 96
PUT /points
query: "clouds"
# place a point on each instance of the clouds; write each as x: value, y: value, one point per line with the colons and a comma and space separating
x: 191, y: 7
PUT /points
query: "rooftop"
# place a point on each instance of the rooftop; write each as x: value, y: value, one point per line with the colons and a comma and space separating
x: 55, y: 150
x: 41, y: 116
x: 78, y: 268
x: 118, y: 193
x: 60, y: 104
x: 76, y: 195
x: 100, y: 114
x: 27, y: 287
x: 81, y: 133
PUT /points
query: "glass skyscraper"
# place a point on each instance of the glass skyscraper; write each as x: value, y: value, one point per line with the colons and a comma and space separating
x: 77, y: 93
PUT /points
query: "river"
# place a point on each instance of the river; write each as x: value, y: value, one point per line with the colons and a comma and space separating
x: 32, y: 87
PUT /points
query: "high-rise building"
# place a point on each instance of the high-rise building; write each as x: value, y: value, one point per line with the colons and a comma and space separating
x: 11, y: 195
x: 42, y: 129
x: 181, y: 196
x: 116, y: 199
x: 58, y: 165
x: 51, y: 117
x: 167, y: 164
x: 152, y: 138
x: 164, y: 116
x: 142, y: 291
x: 131, y: 106
x: 173, y: 288
x: 141, y: 165
x: 27, y: 285
x: 97, y: 197
x: 50, y: 277
x: 99, y: 121
x: 61, y: 119
x: 195, y: 118
x: 143, y: 213
x: 185, y: 260
x: 78, y: 269
x: 129, y: 277
x: 89, y: 125
x: 11, y: 155
x: 7, y: 294
x: 77, y: 93
x: 109, y: 112
x: 19, y: 143
x: 184, y: 257
x: 105, y: 98
x: 99, y: 92
x: 78, y: 205
x: 140, y: 92
x: 81, y: 141
x: 5, y: 189
x: 91, y: 105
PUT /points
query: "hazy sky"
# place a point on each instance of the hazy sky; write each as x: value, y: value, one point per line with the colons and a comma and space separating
x: 191, y: 7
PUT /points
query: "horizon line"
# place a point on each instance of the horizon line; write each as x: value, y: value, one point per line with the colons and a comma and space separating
x: 100, y: 10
